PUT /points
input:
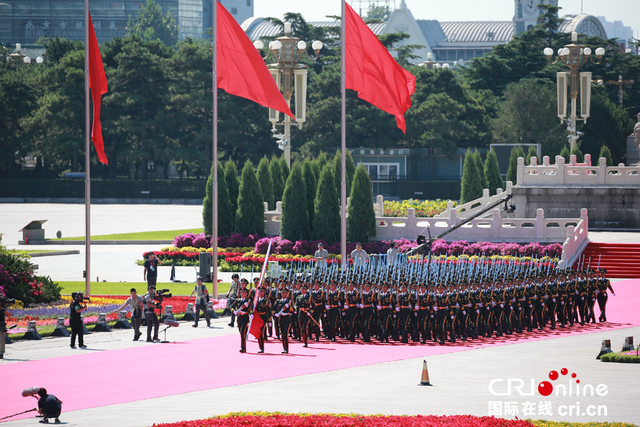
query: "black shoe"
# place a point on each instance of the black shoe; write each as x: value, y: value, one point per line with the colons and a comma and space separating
x: 73, y: 347
x: 305, y: 345
x: 208, y: 325
x: 57, y: 421
x: 285, y: 352
x: 44, y: 421
x: 83, y: 346
x: 243, y: 351
x: 156, y: 339
x: 231, y: 324
x: 260, y: 351
x: 194, y: 326
x: 149, y: 340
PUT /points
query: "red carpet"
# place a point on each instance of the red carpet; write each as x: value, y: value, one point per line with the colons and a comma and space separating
x: 622, y: 261
x: 91, y: 379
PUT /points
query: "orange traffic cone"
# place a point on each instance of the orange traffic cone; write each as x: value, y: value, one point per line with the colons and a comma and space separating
x: 425, y: 374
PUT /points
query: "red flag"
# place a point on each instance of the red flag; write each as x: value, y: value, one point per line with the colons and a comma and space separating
x: 98, y: 85
x: 373, y: 73
x: 241, y: 69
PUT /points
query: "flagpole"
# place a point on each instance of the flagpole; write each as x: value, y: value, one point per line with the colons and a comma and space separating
x: 343, y: 149
x: 87, y: 155
x: 214, y: 199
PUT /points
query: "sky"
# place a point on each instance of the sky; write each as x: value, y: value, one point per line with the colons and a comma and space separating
x: 627, y: 11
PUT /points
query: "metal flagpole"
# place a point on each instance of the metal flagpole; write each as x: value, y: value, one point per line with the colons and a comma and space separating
x: 87, y: 157
x: 214, y: 201
x: 343, y: 149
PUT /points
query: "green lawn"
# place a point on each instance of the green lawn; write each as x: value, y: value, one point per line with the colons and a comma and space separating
x: 143, y: 235
x: 122, y: 288
x: 33, y: 251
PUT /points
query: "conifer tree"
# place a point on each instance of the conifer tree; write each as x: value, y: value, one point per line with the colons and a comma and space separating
x: 233, y: 187
x: 276, y: 177
x: 480, y: 168
x: 326, y: 218
x: 566, y: 154
x: 471, y: 185
x: 576, y: 151
x: 311, y: 184
x: 337, y: 170
x: 604, y: 152
x: 266, y: 183
x: 295, y: 219
x: 225, y: 214
x: 321, y: 160
x: 533, y: 152
x: 492, y: 172
x: 284, y: 167
x: 512, y: 172
x: 250, y: 213
x: 361, y: 219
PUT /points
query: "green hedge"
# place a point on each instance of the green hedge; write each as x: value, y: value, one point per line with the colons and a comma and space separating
x: 619, y: 358
x: 430, y: 190
x: 121, y: 188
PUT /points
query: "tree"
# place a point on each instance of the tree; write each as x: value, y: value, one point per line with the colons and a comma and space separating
x: 337, y: 170
x: 276, y: 177
x: 225, y: 214
x: 311, y: 184
x: 321, y: 160
x: 566, y: 154
x: 233, y: 186
x: 480, y: 169
x: 250, y: 213
x: 266, y: 183
x: 361, y: 219
x: 151, y: 25
x: 295, y: 219
x: 533, y: 152
x: 512, y: 172
x: 284, y: 167
x: 492, y: 173
x: 604, y: 152
x: 326, y: 218
x: 528, y: 116
x: 576, y: 152
x: 471, y: 184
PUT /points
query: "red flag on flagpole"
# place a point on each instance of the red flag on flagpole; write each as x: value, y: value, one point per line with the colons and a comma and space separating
x: 98, y: 85
x: 241, y: 69
x: 373, y: 73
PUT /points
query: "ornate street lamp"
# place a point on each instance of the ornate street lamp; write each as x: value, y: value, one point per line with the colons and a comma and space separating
x: 428, y: 63
x: 291, y: 77
x: 18, y: 56
x: 574, y: 56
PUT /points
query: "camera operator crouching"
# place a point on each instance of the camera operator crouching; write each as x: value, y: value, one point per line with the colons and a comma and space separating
x: 150, y: 305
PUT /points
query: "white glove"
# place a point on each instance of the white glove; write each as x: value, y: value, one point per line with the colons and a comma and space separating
x: 464, y: 312
x: 457, y: 305
x: 277, y: 315
x: 469, y: 305
x: 452, y: 317
x: 235, y: 312
x: 501, y: 305
x: 435, y: 308
x: 328, y: 307
x: 478, y: 311
x: 397, y: 308
x: 379, y: 307
x: 530, y: 305
x: 481, y: 305
x: 287, y: 305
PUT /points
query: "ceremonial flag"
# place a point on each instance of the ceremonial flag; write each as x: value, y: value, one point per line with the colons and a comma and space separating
x: 241, y: 70
x: 372, y: 71
x: 98, y: 85
x: 255, y: 326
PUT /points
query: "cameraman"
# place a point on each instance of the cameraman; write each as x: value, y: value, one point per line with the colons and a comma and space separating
x: 151, y: 270
x: 202, y: 298
x: 136, y: 304
x: 75, y: 321
x: 49, y: 406
x: 150, y: 314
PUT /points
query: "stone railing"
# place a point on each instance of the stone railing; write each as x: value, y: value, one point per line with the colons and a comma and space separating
x: 471, y: 208
x: 576, y: 242
x: 573, y: 174
x: 493, y: 228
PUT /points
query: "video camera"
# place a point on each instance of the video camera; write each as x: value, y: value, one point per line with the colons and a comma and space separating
x: 162, y: 294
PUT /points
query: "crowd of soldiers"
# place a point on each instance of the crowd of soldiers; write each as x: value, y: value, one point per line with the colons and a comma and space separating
x: 412, y: 309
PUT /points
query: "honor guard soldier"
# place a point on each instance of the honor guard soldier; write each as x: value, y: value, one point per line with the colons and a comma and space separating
x: 352, y: 300
x: 242, y: 308
x: 604, y: 285
x: 283, y: 311
x: 316, y: 300
x: 303, y: 306
x: 262, y: 310
x: 333, y: 307
x: 366, y: 305
x: 385, y: 309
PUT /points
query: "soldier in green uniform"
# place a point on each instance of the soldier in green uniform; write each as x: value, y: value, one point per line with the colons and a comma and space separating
x: 352, y: 300
x: 242, y: 309
x: 316, y: 301
x: 262, y: 310
x: 384, y: 301
x: 303, y: 306
x: 283, y: 311
x: 366, y: 307
x: 603, y: 286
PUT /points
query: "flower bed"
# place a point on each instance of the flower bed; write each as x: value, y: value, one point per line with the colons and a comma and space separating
x: 348, y: 420
x: 48, y: 315
x: 423, y: 209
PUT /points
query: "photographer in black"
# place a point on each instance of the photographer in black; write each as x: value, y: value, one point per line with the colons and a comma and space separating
x: 75, y: 321
x: 150, y: 306
x: 49, y: 406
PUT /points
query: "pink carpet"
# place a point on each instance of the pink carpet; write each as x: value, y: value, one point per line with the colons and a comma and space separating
x: 91, y: 379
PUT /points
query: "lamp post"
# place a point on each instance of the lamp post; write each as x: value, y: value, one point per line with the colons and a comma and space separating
x: 428, y: 63
x: 291, y: 77
x: 574, y: 56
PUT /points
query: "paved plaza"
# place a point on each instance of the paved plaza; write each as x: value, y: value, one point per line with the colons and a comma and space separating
x: 499, y: 380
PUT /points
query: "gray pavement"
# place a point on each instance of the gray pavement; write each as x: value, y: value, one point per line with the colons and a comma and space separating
x: 466, y: 382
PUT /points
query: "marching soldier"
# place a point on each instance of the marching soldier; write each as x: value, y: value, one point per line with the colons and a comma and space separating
x: 242, y: 308
x: 603, y: 286
x: 352, y: 300
x: 385, y: 308
x: 262, y: 310
x: 316, y: 300
x: 303, y: 306
x: 283, y: 312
